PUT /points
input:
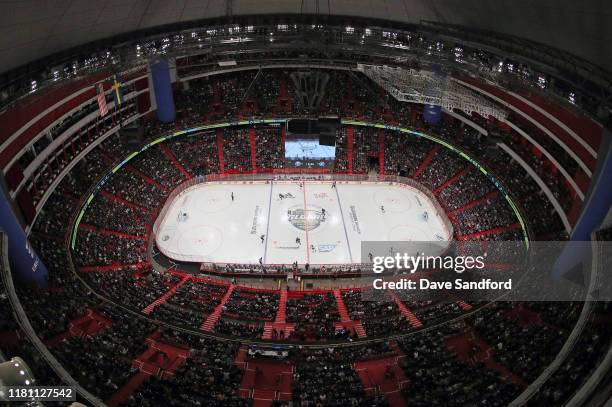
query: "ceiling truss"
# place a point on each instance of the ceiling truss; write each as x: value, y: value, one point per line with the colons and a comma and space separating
x: 431, y: 88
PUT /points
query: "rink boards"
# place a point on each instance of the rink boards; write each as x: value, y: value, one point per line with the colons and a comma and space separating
x: 308, y: 221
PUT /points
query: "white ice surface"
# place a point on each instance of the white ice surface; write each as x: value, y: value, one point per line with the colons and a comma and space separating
x: 220, y: 230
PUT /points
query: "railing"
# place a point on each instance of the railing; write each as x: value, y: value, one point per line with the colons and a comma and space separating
x: 282, y: 268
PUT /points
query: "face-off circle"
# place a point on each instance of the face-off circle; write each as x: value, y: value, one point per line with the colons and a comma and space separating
x: 203, y: 239
x: 393, y: 200
x: 213, y: 201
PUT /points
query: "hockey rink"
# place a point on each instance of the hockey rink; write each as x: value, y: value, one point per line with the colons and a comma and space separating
x: 204, y: 224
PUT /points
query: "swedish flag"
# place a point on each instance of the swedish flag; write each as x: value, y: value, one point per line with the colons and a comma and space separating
x: 117, y: 92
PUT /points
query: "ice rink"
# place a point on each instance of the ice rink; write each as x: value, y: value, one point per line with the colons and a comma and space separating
x: 204, y: 224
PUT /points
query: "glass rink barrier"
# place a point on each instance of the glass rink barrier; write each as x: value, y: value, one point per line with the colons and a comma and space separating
x: 227, y: 219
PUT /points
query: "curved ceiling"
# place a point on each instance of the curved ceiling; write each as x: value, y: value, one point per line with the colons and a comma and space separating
x: 32, y: 29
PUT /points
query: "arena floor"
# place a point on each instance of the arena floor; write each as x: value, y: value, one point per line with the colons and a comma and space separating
x: 204, y: 224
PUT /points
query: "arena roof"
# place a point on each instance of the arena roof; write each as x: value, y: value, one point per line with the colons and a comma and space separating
x: 32, y: 29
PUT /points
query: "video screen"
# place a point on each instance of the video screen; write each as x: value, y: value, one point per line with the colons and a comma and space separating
x: 303, y: 149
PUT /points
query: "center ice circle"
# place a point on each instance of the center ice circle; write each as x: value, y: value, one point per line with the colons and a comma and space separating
x: 309, y: 219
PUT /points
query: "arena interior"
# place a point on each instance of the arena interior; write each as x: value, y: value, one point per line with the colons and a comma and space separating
x: 189, y: 189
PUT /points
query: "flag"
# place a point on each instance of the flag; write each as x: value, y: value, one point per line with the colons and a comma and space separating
x: 117, y: 92
x: 101, y: 99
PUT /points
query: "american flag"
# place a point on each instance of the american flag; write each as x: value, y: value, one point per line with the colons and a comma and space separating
x: 101, y: 99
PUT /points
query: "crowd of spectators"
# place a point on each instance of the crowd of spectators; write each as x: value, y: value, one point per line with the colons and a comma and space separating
x: 247, y: 304
x: 55, y: 215
x: 504, y: 334
x: 197, y: 153
x: 238, y: 329
x: 197, y: 100
x: 341, y: 161
x: 237, y: 150
x: 134, y: 288
x: 267, y: 90
x: 129, y: 186
x: 314, y: 316
x: 404, y: 154
x: 545, y: 170
x: 369, y: 304
x: 468, y: 188
x: 270, y: 151
x: 587, y: 353
x: 442, y: 166
x: 95, y: 249
x: 110, y: 351
x: 365, y: 145
x: 86, y: 172
x: 102, y: 362
x: 190, y: 304
x: 541, y: 215
x: 486, y: 215
x: 15, y: 343
x: 106, y: 214
x: 48, y: 171
x: 347, y: 94
x: 326, y: 377
x: 438, y: 377
x: 154, y: 163
x: 209, y: 377
x: 434, y: 311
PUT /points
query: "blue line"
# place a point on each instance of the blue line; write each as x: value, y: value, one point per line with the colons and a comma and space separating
x: 344, y: 224
x: 268, y: 225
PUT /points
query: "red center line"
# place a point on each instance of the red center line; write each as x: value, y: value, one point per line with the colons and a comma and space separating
x: 306, y: 222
